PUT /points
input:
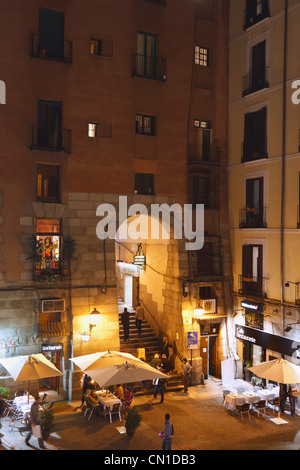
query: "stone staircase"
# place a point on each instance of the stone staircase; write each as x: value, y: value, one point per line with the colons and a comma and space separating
x: 147, y: 340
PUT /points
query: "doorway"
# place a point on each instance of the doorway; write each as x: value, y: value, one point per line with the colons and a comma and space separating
x: 208, y: 352
x: 128, y: 290
x: 51, y: 383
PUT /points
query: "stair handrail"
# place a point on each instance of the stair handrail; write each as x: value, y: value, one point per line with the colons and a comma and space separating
x: 162, y: 331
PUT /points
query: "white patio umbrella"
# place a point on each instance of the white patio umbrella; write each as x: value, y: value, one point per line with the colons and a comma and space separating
x: 126, y: 372
x: 99, y: 360
x: 30, y: 367
x: 280, y: 371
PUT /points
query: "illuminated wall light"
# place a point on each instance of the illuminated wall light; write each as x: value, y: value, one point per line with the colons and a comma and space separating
x: 85, y: 337
x: 94, y: 318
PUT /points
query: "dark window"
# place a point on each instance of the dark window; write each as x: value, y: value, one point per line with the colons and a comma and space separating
x: 146, y: 50
x: 201, y: 190
x: 51, y: 33
x: 144, y: 183
x: 205, y: 292
x: 145, y: 124
x: 257, y: 79
x: 256, y: 11
x: 49, y: 124
x: 255, y: 136
x: 47, y: 184
x: 252, y: 269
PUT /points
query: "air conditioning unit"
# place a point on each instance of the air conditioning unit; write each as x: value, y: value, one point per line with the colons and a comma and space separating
x: 53, y: 305
x: 209, y: 305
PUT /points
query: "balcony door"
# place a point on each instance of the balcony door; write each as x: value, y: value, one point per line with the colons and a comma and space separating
x: 146, y: 50
x: 259, y: 66
x: 49, y: 124
x: 254, y: 202
x: 252, y: 269
x: 51, y: 33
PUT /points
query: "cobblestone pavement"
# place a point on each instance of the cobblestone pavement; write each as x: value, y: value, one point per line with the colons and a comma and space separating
x: 200, y: 423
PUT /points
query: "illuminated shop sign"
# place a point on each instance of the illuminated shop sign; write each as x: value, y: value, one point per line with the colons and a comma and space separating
x: 277, y: 343
x: 252, y: 305
x: 47, y: 226
x: 52, y: 347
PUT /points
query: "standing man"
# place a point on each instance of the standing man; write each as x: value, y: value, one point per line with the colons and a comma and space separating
x: 167, y: 434
x: 125, y: 322
x: 139, y: 317
x: 35, y: 421
x: 187, y: 374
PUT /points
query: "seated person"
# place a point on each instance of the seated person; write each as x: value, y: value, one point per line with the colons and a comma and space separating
x: 156, y: 361
x: 91, y: 397
x: 128, y: 395
x: 166, y: 363
x: 119, y: 392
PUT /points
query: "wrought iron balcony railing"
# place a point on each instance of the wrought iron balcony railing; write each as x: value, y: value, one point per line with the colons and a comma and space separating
x: 252, y: 83
x: 254, y: 149
x: 204, y: 154
x: 150, y: 67
x: 45, y: 47
x: 253, y: 218
x: 51, y: 138
x: 53, y: 328
x: 251, y: 285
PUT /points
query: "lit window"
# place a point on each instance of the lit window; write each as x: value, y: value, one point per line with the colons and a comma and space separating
x: 92, y: 129
x: 201, y: 56
x: 201, y: 124
x: 95, y: 46
x: 144, y: 124
x: 48, y: 237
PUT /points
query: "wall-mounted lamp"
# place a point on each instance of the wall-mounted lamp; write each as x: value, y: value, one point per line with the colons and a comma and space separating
x: 85, y: 337
x: 139, y: 258
x: 287, y: 284
x: 94, y: 318
x: 198, y: 313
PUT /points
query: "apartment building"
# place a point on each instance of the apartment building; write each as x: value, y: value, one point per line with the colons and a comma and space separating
x: 264, y: 166
x: 106, y: 99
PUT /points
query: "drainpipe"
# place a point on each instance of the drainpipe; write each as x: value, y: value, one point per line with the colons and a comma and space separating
x: 282, y: 261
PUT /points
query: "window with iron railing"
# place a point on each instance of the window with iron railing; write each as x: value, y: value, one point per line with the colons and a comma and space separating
x: 145, y: 124
x: 251, y: 279
x: 255, y: 136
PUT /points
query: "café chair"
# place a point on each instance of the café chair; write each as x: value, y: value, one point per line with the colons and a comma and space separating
x: 115, y: 410
x: 225, y: 392
x: 275, y: 402
x: 260, y: 406
x: 91, y: 408
x: 244, y: 409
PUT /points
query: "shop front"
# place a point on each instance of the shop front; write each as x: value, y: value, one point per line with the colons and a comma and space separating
x: 260, y: 346
x: 54, y: 353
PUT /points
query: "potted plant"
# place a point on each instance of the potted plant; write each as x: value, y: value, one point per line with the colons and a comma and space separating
x: 4, y: 391
x: 132, y: 420
x: 35, y: 247
x: 47, y: 422
x: 67, y: 253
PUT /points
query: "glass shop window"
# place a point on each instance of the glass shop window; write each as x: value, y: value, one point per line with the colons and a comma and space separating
x: 49, y: 238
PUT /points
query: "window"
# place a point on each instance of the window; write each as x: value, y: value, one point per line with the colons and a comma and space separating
x: 256, y: 11
x: 49, y: 239
x: 47, y: 183
x: 257, y: 78
x: 49, y: 124
x: 253, y: 216
x: 201, y: 56
x: 92, y: 129
x: 51, y: 33
x: 252, y: 269
x: 255, y: 136
x: 144, y: 183
x: 145, y: 124
x: 208, y: 263
x: 146, y: 50
x: 201, y: 190
x: 101, y: 47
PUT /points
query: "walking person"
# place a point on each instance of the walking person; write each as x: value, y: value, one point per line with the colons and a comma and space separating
x: 35, y: 423
x: 125, y: 322
x: 139, y: 317
x: 187, y: 374
x: 167, y: 434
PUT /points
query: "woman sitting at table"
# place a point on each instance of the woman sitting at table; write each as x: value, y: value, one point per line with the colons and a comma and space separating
x: 119, y: 392
x: 91, y: 397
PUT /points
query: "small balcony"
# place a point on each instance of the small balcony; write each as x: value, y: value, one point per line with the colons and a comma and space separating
x: 253, y: 218
x: 203, y: 154
x: 45, y: 47
x: 51, y: 139
x: 151, y: 67
x: 52, y: 329
x: 252, y: 286
x: 253, y: 83
x: 254, y: 149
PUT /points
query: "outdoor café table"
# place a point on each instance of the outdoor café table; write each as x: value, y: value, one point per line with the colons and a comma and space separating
x: 233, y: 400
x: 23, y: 406
x: 251, y: 397
x: 267, y: 394
x: 107, y: 399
